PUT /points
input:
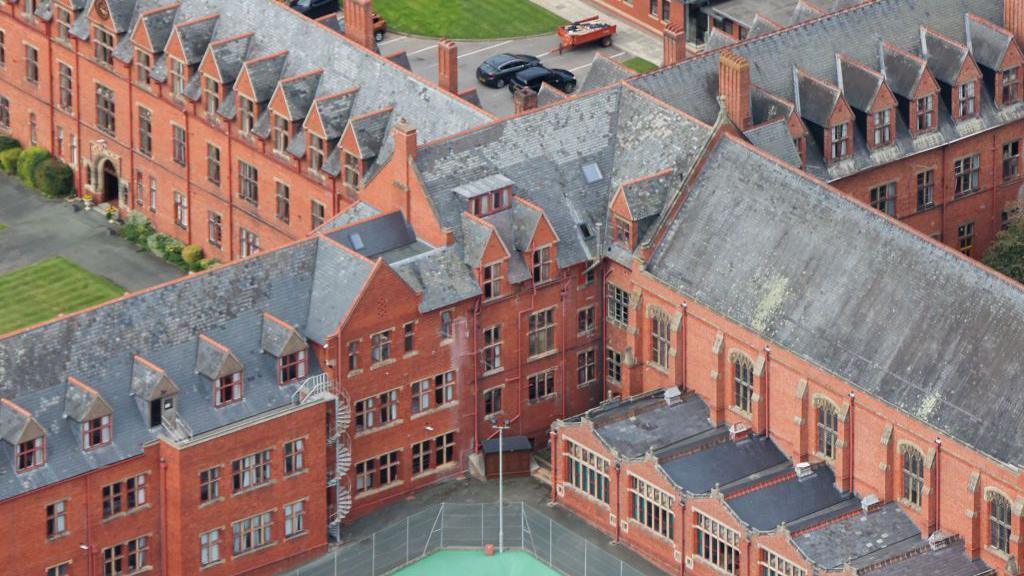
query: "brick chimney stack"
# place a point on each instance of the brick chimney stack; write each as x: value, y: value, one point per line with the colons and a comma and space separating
x: 525, y: 99
x: 359, y: 23
x: 734, y: 86
x: 403, y: 157
x: 673, y: 44
x: 1013, y: 19
x: 448, y: 66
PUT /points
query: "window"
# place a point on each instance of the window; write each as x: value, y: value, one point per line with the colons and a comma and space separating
x: 443, y: 392
x: 409, y: 337
x: 316, y: 152
x: 660, y: 338
x: 211, y: 92
x: 106, y: 119
x: 621, y: 231
x: 965, y: 238
x: 216, y: 228
x: 33, y: 132
x: 925, y: 113
x: 654, y: 8
x: 883, y: 198
x: 965, y: 100
x: 743, y: 383
x: 352, y: 170
x: 774, y: 565
x: 30, y: 8
x: 542, y: 332
x: 588, y: 276
x: 882, y: 121
x: 63, y: 24
x: 104, y: 49
x: 316, y: 214
x: 618, y: 305
x: 585, y: 320
x: 124, y: 496
x: 31, y: 454
x: 999, y: 522
x: 376, y: 410
x: 294, y: 519
x: 282, y: 134
x: 966, y: 171
x: 181, y: 210
x: 251, y: 533
x: 127, y: 558
x: 247, y: 114
x: 442, y: 448
x: 586, y: 367
x: 828, y: 428
x: 1011, y: 160
x: 353, y: 356
x: 614, y: 366
x: 250, y: 471
x: 59, y: 570
x: 542, y: 265
x: 587, y: 471
x: 292, y: 367
x: 377, y: 472
x: 209, y: 484
x: 380, y: 346
x: 925, y: 189
x: 446, y: 324
x: 652, y: 507
x: 283, y: 196
x: 248, y: 182
x: 31, y: 64
x: 294, y: 460
x: 229, y: 389
x: 60, y: 141
x: 249, y: 243
x: 666, y: 10
x: 492, y: 349
x: 492, y: 401
x: 180, y: 139
x: 3, y: 47
x: 840, y: 141
x: 96, y: 432
x: 152, y: 194
x: 492, y: 281
x: 541, y: 385
x: 177, y: 74
x: 213, y: 164
x: 209, y: 547
x: 913, y: 475
x: 143, y: 64
x: 5, y: 112
x: 56, y: 519
x: 717, y: 544
x: 1011, y: 86
x: 66, y: 86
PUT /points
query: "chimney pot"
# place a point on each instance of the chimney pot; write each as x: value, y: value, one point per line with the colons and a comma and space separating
x: 405, y: 139
x: 525, y: 99
x: 448, y: 66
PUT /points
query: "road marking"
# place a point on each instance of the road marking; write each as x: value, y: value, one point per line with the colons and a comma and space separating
x: 617, y: 55
x: 485, y: 48
x: 580, y: 67
x: 431, y: 47
x: 398, y: 39
x: 542, y: 54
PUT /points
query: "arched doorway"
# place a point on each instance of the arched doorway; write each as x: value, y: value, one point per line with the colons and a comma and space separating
x: 109, y: 182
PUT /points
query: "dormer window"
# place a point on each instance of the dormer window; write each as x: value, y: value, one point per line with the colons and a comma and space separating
x: 211, y: 92
x: 31, y: 454
x: 966, y: 100
x: 542, y: 265
x: 1011, y: 86
x: 104, y: 46
x: 282, y: 133
x: 143, y: 65
x: 621, y: 231
x: 490, y: 202
x: 882, y: 122
x: 292, y: 367
x: 63, y: 17
x: 316, y: 152
x: 96, y: 432
x: 229, y: 389
x: 491, y: 279
x: 925, y: 113
x: 178, y: 77
x: 246, y: 114
x: 840, y: 141
x: 352, y: 171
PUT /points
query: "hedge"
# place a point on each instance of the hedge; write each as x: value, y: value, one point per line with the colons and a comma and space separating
x: 28, y: 161
x: 7, y: 142
x: 54, y: 178
x: 9, y: 160
x: 192, y: 254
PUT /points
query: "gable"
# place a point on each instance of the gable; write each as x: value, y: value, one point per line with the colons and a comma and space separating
x: 620, y: 206
x: 208, y: 66
x: 969, y: 71
x: 243, y: 84
x: 279, y: 103
x: 494, y: 250
x: 174, y: 47
x: 313, y: 122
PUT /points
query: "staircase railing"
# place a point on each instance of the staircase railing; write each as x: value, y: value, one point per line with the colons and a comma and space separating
x: 176, y: 428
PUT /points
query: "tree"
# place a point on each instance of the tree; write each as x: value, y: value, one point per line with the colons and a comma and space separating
x: 1007, y: 253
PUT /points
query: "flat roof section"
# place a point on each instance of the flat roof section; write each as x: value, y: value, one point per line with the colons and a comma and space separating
x: 792, y: 500
x: 633, y: 428
x: 723, y: 464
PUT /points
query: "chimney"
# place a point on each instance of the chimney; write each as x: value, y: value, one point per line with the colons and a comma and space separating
x: 404, y: 154
x: 525, y: 99
x: 734, y: 86
x: 674, y: 44
x: 405, y: 139
x: 448, y: 66
x: 678, y: 14
x: 1013, y: 19
x: 359, y: 23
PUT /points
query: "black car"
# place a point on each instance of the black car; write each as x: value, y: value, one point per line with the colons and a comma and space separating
x: 498, y: 70
x: 314, y: 8
x: 537, y: 75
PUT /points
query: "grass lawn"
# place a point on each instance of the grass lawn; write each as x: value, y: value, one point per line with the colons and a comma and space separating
x: 47, y: 288
x: 640, y: 65
x: 467, y: 19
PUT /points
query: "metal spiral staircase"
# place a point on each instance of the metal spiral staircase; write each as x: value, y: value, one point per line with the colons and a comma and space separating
x: 315, y: 389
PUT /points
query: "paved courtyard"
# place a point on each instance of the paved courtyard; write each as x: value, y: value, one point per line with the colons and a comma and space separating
x: 38, y: 228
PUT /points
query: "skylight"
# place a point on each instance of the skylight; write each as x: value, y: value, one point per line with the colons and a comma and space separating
x: 592, y: 173
x: 356, y: 240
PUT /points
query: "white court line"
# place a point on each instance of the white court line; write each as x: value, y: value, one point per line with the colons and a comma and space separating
x: 485, y: 48
x: 431, y: 47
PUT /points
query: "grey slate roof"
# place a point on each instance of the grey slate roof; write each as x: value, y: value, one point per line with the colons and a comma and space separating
x: 860, y: 539
x: 549, y: 95
x: 634, y: 427
x: 723, y: 464
x: 195, y: 36
x: 902, y: 70
x: 17, y: 425
x: 358, y: 211
x: 761, y: 26
x: 279, y: 338
x: 149, y: 381
x: 339, y: 278
x: 334, y: 113
x: 774, y: 138
x: 945, y: 58
x: 375, y: 236
x: 717, y: 39
x: 440, y: 276
x: 859, y: 85
x: 988, y: 44
x: 918, y: 327
x: 214, y: 360
x: 299, y: 93
x: 229, y: 56
x: 82, y: 403
x: 475, y: 235
x: 815, y: 98
x: 371, y: 130
x: 264, y: 75
x: 792, y: 501
x: 949, y: 561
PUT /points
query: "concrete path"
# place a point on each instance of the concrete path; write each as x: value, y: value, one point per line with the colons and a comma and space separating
x: 38, y: 228
x: 630, y: 37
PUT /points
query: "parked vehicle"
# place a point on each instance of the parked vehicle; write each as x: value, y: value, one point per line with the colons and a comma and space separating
x: 320, y: 8
x: 537, y: 75
x: 498, y: 70
x: 585, y: 31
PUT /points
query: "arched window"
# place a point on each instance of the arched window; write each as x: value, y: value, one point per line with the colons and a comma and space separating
x: 913, y: 475
x: 999, y: 522
x: 659, y: 338
x: 743, y: 382
x: 828, y: 428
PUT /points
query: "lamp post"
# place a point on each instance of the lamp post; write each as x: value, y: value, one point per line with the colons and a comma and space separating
x: 501, y: 483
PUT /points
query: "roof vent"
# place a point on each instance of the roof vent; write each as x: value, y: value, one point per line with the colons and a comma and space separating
x: 592, y: 173
x: 356, y: 240
x: 938, y: 540
x: 739, y: 431
x: 673, y: 396
x: 869, y: 502
x: 585, y: 229
x: 803, y: 470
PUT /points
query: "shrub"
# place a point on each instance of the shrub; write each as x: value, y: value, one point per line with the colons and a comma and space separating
x: 7, y: 142
x: 192, y: 254
x: 207, y: 263
x: 137, y: 229
x: 9, y: 160
x: 54, y: 178
x: 28, y: 161
x: 157, y: 244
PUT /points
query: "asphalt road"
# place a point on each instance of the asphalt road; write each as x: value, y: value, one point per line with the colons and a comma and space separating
x: 422, y: 54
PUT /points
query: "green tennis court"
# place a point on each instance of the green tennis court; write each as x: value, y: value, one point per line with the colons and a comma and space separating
x: 511, y: 563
